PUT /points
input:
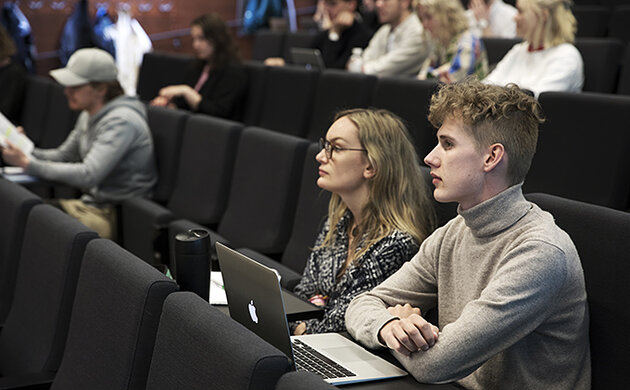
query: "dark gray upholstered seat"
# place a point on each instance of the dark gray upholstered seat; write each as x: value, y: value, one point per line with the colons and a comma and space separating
x: 257, y: 81
x: 601, y: 57
x: 159, y: 70
x: 623, y: 85
x: 167, y: 127
x: 592, y: 20
x: 16, y: 203
x: 302, y: 38
x: 310, y: 213
x: 34, y: 334
x: 114, y: 321
x: 288, y: 99
x: 267, y: 43
x: 199, y: 347
x: 263, y: 193
x: 36, y: 100
x: 337, y: 90
x: 583, y: 150
x: 498, y: 47
x: 619, y: 26
x: 201, y: 186
x: 60, y: 118
x: 601, y: 237
x: 302, y: 380
x: 409, y: 99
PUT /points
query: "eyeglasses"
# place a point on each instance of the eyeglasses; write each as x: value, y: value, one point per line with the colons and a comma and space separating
x: 330, y: 148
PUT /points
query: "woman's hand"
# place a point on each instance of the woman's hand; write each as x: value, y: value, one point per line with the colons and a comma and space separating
x: 300, y: 329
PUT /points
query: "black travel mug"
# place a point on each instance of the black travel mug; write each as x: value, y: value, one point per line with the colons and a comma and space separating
x: 192, y: 259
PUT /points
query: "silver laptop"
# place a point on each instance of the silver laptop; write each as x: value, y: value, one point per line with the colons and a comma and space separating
x: 255, y: 300
x: 308, y: 58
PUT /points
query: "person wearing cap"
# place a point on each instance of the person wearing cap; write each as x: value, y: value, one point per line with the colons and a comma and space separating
x: 109, y: 153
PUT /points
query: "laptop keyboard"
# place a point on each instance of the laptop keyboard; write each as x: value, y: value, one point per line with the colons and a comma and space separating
x: 308, y: 359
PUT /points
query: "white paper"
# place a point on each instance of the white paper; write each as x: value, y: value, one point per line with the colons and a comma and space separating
x: 217, y: 291
x: 9, y: 132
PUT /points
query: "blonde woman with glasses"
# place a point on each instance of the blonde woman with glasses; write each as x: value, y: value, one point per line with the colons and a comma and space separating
x: 379, y: 213
x: 546, y: 60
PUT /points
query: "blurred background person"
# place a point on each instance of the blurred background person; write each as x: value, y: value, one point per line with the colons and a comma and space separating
x: 345, y: 31
x: 217, y: 83
x: 379, y: 213
x: 546, y: 60
x: 398, y: 48
x: 492, y: 18
x: 12, y: 79
x: 457, y: 52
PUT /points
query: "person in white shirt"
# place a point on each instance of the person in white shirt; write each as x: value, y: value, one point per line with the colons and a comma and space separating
x: 399, y: 47
x: 492, y: 18
x: 546, y: 60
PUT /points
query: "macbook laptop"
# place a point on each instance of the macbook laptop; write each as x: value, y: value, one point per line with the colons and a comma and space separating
x: 256, y: 301
x: 309, y: 58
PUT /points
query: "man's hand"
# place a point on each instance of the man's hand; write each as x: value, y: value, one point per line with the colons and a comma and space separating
x: 411, y: 333
x: 14, y: 156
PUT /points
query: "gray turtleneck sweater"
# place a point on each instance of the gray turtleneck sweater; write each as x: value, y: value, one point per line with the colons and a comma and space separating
x: 509, y: 289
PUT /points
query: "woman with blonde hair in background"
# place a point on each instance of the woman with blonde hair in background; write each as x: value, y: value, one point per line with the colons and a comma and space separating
x: 457, y: 52
x: 379, y: 213
x: 546, y: 60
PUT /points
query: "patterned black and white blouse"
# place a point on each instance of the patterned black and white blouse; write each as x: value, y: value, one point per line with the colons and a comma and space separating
x: 320, y: 275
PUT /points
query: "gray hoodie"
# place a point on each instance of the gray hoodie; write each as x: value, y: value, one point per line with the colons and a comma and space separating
x: 109, y: 156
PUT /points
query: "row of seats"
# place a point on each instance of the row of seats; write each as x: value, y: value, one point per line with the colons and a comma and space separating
x: 302, y: 103
x: 606, y: 67
x: 87, y: 314
x: 596, y: 20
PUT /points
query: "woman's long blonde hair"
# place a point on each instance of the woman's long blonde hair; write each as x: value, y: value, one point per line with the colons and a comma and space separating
x: 398, y: 197
x: 561, y: 24
x: 451, y: 15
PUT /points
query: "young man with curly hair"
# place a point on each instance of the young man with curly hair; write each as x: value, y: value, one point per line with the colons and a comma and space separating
x: 506, y: 281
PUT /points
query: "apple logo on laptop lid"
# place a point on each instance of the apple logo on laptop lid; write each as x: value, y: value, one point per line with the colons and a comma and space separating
x: 252, y: 311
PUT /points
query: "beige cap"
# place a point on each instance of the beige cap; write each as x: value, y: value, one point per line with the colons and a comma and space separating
x: 86, y: 65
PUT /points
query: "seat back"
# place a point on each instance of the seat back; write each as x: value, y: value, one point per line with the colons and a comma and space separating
x: 267, y: 43
x: 60, y: 119
x: 496, y: 48
x: 310, y: 213
x: 566, y: 159
x: 167, y: 128
x: 337, y: 90
x: 302, y: 380
x: 35, y: 330
x: 17, y: 203
x: 619, y: 26
x: 623, y: 86
x: 601, y: 58
x: 302, y: 38
x: 114, y: 321
x: 198, y: 347
x: 257, y: 78
x: 264, y: 190
x: 409, y: 99
x: 205, y: 169
x: 592, y: 20
x: 288, y: 99
x: 159, y: 70
x: 36, y: 99
x: 601, y: 236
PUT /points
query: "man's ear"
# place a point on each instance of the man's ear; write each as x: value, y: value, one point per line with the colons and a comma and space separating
x: 495, y: 154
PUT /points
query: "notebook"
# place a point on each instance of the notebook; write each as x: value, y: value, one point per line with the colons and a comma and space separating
x: 256, y: 301
x: 309, y: 58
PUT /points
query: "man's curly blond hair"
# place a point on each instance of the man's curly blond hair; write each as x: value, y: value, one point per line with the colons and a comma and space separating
x: 493, y: 114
